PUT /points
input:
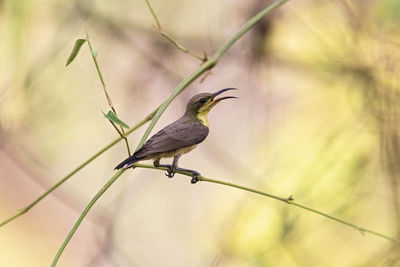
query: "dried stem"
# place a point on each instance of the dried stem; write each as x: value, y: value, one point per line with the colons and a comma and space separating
x: 171, y: 39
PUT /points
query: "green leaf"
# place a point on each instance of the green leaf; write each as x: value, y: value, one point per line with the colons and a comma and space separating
x: 112, y: 117
x: 75, y: 50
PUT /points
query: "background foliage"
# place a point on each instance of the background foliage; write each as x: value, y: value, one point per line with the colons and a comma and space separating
x: 317, y: 118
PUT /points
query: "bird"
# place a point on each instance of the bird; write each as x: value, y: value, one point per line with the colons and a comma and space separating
x: 179, y: 137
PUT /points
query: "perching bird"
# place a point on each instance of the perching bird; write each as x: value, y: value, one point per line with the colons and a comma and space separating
x: 179, y: 137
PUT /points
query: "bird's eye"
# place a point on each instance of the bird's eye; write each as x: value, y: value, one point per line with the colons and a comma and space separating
x: 203, y: 100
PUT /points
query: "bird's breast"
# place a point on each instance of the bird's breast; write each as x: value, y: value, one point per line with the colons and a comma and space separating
x: 170, y: 154
x: 186, y: 149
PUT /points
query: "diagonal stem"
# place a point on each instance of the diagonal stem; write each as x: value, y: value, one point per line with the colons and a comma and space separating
x: 85, y: 212
x: 77, y: 169
x: 153, y: 14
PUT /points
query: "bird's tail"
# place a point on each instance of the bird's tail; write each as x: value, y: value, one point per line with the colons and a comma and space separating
x: 128, y: 162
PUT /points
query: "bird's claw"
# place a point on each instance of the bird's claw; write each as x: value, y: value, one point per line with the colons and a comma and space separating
x: 170, y: 173
x: 195, y: 177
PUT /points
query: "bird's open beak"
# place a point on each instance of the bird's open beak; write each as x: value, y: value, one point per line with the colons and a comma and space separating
x: 215, y: 101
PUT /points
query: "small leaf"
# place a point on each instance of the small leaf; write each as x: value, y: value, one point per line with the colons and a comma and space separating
x: 112, y: 117
x: 75, y: 50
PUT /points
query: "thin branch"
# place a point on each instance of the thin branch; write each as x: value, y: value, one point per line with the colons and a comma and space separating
x: 94, y: 56
x: 123, y: 136
x: 181, y: 47
x: 119, y: 132
x: 154, y: 14
x: 84, y: 213
x: 171, y: 39
x: 245, y: 28
x: 81, y: 166
x: 211, y: 62
x: 289, y: 200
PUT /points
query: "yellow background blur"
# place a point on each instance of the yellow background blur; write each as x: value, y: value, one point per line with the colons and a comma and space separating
x: 317, y: 117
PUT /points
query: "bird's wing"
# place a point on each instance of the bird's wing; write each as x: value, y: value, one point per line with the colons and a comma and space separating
x: 173, y: 137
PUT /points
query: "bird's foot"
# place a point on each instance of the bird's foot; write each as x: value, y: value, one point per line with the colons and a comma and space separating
x: 195, y: 174
x: 195, y: 177
x: 170, y: 168
x: 170, y: 171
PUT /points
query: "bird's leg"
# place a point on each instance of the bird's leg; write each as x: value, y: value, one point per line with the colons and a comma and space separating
x: 195, y: 174
x: 156, y: 164
x: 174, y: 167
x: 170, y: 168
x: 171, y: 171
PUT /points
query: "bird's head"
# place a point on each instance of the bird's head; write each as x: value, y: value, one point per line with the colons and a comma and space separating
x: 200, y: 104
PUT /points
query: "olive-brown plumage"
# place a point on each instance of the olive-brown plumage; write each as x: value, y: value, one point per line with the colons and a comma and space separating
x: 179, y: 137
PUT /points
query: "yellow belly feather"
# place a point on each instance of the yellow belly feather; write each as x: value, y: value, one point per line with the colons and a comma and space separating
x: 183, y: 150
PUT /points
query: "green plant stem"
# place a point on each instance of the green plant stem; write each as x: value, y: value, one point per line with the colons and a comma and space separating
x: 81, y: 166
x: 289, y: 200
x: 118, y: 131
x: 94, y: 56
x: 154, y: 14
x: 246, y: 27
x: 84, y: 213
x: 208, y: 64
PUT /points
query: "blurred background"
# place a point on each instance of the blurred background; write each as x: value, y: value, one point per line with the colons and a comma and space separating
x: 317, y: 117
